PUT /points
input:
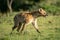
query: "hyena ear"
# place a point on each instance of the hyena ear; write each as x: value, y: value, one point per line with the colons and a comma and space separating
x: 40, y: 9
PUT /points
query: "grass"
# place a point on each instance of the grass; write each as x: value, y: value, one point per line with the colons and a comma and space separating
x: 49, y: 27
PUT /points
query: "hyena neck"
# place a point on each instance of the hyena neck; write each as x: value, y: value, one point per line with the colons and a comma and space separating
x: 35, y: 14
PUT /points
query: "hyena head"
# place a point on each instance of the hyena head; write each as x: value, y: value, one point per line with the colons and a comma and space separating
x: 42, y: 12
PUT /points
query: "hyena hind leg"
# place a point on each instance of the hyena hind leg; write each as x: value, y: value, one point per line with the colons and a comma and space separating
x: 23, y: 27
x: 13, y: 28
x: 19, y: 27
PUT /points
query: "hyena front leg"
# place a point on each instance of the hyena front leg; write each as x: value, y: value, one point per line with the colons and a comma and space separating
x: 34, y: 23
x: 19, y: 27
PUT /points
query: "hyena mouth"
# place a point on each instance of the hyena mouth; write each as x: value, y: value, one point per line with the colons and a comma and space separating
x: 45, y: 15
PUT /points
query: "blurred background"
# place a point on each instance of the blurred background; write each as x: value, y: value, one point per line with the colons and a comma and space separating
x: 51, y: 6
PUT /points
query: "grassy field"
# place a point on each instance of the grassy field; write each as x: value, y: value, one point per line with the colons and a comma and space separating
x: 49, y: 30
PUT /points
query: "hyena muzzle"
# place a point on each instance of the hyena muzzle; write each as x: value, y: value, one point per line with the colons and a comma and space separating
x: 25, y: 18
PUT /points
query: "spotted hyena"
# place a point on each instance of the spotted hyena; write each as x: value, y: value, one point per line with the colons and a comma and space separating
x: 25, y: 18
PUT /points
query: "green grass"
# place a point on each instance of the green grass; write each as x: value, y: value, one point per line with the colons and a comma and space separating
x: 49, y: 30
